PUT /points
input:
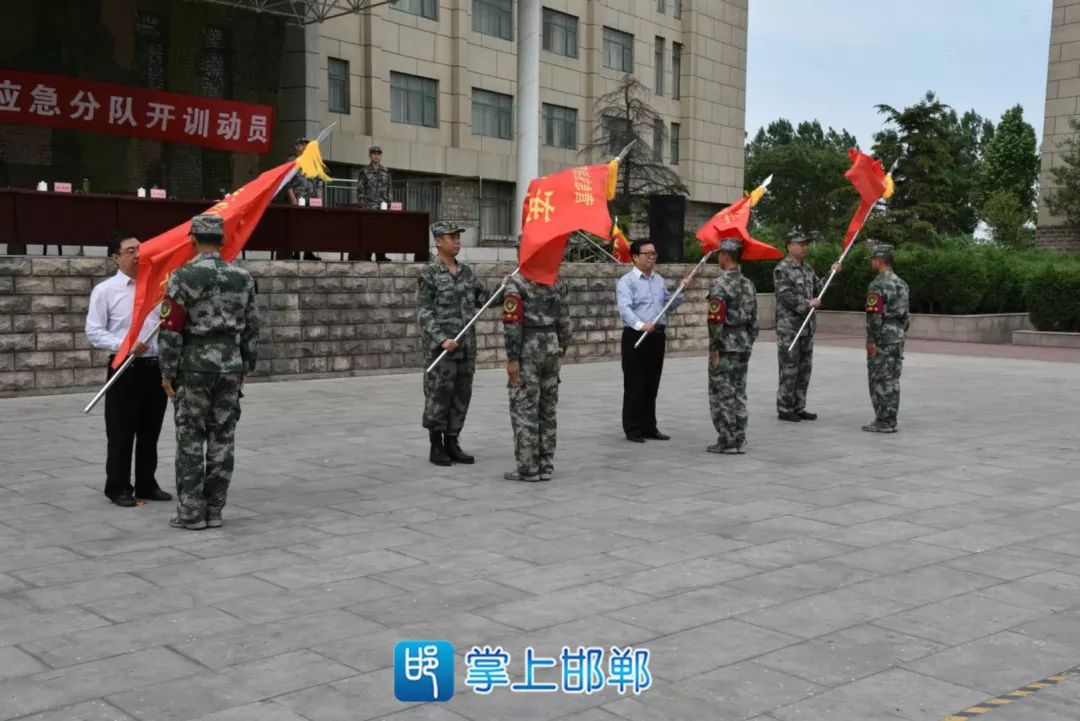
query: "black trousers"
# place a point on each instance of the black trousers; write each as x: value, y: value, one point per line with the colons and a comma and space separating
x: 134, y: 410
x: 641, y: 369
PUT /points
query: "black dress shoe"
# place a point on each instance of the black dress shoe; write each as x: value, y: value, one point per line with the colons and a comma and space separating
x: 789, y: 416
x: 807, y: 416
x: 635, y: 437
x: 657, y: 436
x: 124, y: 499
x: 155, y: 495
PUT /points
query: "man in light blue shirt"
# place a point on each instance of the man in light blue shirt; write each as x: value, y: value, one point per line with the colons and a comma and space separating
x: 640, y: 295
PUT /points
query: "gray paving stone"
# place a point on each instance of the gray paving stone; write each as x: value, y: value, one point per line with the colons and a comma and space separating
x: 168, y: 600
x: 926, y: 585
x: 1051, y: 590
x: 805, y: 579
x: 960, y: 619
x: 96, y: 710
x: 208, y: 693
x: 27, y: 627
x: 698, y: 650
x: 560, y: 606
x: 14, y: 662
x: 848, y: 655
x: 262, y: 607
x: 824, y: 613
x: 690, y: 609
x: 683, y: 576
x: 898, y: 556
x: 262, y: 711
x: 787, y: 552
x: 193, y: 573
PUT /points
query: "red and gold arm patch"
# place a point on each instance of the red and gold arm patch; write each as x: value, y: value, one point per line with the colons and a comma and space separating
x: 875, y: 303
x: 173, y: 315
x: 717, y: 311
x: 513, y: 311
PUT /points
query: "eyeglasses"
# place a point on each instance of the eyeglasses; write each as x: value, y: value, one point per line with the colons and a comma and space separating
x: 648, y: 255
x: 128, y: 251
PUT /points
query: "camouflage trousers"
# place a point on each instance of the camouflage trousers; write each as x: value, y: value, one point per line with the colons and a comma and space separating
x: 532, y: 413
x: 727, y: 398
x: 447, y: 392
x: 206, y: 409
x: 884, y: 374
x: 795, y: 369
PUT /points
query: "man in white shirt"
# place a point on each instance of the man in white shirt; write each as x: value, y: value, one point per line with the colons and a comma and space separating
x: 135, y: 405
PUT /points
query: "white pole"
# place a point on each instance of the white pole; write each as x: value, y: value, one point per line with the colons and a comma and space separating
x: 528, y: 99
x: 676, y: 294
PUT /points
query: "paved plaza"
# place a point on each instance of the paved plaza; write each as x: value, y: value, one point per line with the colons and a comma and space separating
x: 827, y: 575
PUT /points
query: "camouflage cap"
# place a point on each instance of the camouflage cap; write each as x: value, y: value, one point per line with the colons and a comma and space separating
x: 374, y: 149
x: 207, y: 224
x: 730, y: 245
x: 882, y: 251
x: 446, y: 227
x: 301, y: 141
x: 798, y: 235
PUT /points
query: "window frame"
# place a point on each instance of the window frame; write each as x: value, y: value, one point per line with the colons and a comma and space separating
x: 658, y: 60
x: 501, y: 106
x: 676, y: 70
x: 625, y: 43
x: 564, y: 116
x: 497, y: 13
x: 330, y: 80
x: 676, y: 141
x: 567, y: 25
x: 414, y: 85
x: 421, y: 12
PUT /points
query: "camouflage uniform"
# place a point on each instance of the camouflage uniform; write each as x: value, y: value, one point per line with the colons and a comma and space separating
x: 733, y: 328
x: 445, y: 302
x: 208, y: 342
x: 305, y: 187
x: 887, y: 321
x: 374, y: 186
x: 536, y: 330
x: 796, y: 285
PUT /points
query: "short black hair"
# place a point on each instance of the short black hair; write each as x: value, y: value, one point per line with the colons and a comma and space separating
x: 637, y: 245
x: 112, y: 245
x: 209, y: 239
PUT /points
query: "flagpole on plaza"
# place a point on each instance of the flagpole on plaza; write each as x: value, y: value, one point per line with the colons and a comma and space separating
x: 832, y: 272
x: 682, y: 283
x: 119, y: 371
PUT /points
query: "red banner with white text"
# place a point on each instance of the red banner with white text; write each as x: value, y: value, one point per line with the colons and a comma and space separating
x: 86, y: 105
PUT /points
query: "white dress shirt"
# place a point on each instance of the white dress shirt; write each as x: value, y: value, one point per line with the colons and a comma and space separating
x: 640, y: 297
x: 109, y: 316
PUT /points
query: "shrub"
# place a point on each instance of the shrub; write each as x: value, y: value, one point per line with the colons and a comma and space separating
x: 1053, y: 297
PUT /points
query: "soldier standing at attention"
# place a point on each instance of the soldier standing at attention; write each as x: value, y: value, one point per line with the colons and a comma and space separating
x: 733, y: 329
x: 448, y: 294
x: 305, y: 188
x: 536, y: 330
x: 374, y: 188
x: 797, y: 286
x: 209, y: 332
x: 887, y: 321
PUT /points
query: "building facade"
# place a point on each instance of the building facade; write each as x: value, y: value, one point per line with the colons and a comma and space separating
x: 1062, y: 106
x: 433, y: 83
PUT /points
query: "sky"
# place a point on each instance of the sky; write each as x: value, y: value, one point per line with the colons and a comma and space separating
x: 834, y: 60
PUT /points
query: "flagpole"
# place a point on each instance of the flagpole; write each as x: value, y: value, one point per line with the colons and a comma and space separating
x: 832, y: 273
x: 678, y: 291
x: 596, y: 246
x: 119, y: 371
x: 473, y: 319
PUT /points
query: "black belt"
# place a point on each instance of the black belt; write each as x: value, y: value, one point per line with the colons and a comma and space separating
x: 540, y: 327
x: 657, y: 329
x: 149, y: 362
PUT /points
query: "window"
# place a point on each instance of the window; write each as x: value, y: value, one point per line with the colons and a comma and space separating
x: 674, y: 143
x: 497, y: 210
x: 150, y: 36
x: 560, y: 127
x: 618, y: 50
x: 676, y: 70
x: 214, y: 63
x: 658, y: 140
x: 560, y: 33
x: 492, y: 114
x: 659, y: 6
x: 424, y: 8
x: 658, y: 60
x: 338, y: 70
x: 414, y: 100
x: 493, y: 17
x: 617, y: 132
x: 676, y: 10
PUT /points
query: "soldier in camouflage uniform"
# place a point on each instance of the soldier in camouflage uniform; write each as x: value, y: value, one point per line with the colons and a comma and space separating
x: 887, y: 321
x: 448, y: 295
x: 303, y: 187
x: 536, y: 330
x: 797, y: 286
x: 208, y: 341
x: 733, y: 328
x: 374, y: 187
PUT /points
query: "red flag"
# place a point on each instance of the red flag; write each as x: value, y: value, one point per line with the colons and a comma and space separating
x: 731, y: 223
x: 620, y: 244
x: 555, y: 206
x: 872, y: 184
x: 161, y: 255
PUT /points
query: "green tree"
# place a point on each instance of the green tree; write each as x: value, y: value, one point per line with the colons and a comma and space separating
x: 1010, y: 162
x: 936, y: 178
x: 808, y: 164
x: 1008, y: 220
x: 1063, y: 198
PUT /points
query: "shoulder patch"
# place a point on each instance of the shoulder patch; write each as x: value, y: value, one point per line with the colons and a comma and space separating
x: 875, y: 303
x: 717, y: 311
x: 173, y: 315
x: 513, y: 311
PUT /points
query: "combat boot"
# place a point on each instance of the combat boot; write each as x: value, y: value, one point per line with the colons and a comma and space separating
x: 213, y: 518
x: 453, y: 450
x: 438, y: 454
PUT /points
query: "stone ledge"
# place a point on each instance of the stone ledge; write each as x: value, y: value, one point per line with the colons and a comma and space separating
x: 1046, y: 339
x: 981, y: 328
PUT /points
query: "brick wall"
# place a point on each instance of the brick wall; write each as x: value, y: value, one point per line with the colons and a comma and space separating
x: 1056, y: 237
x: 318, y: 319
